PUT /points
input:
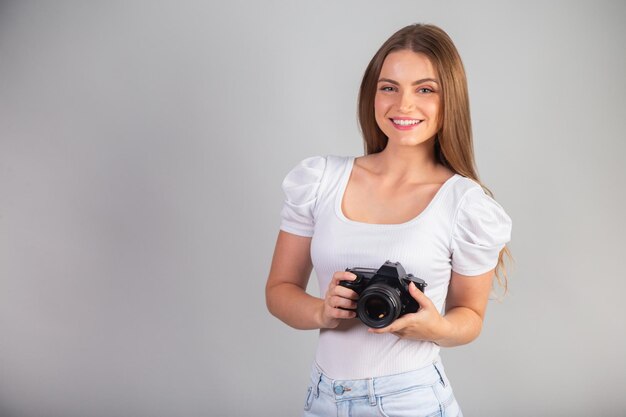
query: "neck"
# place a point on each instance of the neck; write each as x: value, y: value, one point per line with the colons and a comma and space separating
x: 415, y: 163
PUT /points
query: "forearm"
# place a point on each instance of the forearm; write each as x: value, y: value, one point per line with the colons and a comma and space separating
x: 292, y: 305
x: 460, y: 326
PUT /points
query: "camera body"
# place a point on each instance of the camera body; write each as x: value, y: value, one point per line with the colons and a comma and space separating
x: 383, y: 293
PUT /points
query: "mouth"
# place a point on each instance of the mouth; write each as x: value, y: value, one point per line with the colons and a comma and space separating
x: 405, y: 123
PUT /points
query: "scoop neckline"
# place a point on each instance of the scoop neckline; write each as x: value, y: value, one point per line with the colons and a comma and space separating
x: 349, y: 166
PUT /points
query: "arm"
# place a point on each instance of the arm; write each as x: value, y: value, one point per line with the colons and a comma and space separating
x: 285, y: 291
x: 466, y: 304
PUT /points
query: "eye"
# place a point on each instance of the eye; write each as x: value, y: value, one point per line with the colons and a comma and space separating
x: 425, y: 90
x: 387, y: 88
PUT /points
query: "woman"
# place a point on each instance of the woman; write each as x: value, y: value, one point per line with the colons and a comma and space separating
x: 414, y: 198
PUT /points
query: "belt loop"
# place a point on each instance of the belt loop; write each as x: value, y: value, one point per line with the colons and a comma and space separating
x: 316, y: 388
x: 440, y: 373
x: 370, y: 391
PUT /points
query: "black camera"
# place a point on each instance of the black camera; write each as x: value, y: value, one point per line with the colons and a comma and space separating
x: 383, y: 293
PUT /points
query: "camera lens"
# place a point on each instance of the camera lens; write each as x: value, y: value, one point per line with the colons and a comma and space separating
x: 376, y: 308
x: 379, y: 305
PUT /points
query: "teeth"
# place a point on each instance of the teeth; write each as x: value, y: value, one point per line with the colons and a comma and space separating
x: 405, y: 122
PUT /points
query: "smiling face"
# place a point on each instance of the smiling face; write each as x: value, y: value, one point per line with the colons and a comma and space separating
x: 407, y: 101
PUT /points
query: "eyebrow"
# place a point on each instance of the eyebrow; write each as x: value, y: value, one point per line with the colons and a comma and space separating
x: 423, y: 80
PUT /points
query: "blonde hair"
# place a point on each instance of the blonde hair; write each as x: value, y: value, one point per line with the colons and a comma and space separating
x: 453, y: 143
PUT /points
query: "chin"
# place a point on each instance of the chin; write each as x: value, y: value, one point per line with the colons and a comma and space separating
x: 407, y: 141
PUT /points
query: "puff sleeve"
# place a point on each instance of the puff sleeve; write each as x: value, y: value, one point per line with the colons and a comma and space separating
x: 481, y: 230
x: 301, y: 186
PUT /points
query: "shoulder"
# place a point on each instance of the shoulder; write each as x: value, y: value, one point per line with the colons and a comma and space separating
x: 463, y: 185
x: 303, y: 180
x: 478, y: 216
x: 471, y: 198
x: 320, y: 163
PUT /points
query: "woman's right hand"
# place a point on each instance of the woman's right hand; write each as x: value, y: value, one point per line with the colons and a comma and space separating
x: 339, y: 302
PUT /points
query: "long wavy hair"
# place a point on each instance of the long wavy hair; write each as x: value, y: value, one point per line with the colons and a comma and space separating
x: 453, y: 142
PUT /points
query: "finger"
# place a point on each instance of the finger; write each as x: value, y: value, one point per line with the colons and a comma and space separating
x: 340, y: 302
x: 389, y: 329
x: 340, y: 313
x: 345, y: 292
x: 419, y: 296
x: 397, y: 326
x: 343, y: 276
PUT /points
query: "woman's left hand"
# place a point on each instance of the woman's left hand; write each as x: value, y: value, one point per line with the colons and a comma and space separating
x: 425, y: 324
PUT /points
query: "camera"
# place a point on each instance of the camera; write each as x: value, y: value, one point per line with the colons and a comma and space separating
x: 383, y: 293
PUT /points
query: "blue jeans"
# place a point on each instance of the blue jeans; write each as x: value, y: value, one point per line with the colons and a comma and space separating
x: 425, y: 392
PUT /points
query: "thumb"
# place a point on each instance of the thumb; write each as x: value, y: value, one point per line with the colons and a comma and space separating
x: 419, y: 296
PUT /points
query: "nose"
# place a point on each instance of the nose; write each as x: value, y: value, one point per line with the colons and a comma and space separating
x: 406, y: 102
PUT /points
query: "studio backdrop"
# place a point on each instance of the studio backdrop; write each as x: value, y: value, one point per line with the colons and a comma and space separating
x: 142, y: 149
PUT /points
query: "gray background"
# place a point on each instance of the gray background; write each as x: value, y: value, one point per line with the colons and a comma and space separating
x: 142, y: 147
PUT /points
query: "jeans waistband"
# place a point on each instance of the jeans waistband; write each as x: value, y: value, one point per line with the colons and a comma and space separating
x: 377, y: 386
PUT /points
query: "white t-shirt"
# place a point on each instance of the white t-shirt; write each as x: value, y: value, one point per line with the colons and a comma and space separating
x: 462, y: 229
